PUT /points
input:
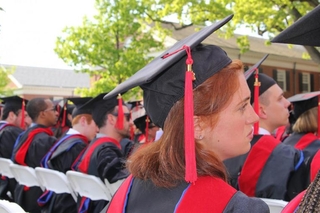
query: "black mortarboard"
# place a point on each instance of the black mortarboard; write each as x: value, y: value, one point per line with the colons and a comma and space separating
x: 13, y: 103
x: 303, y: 102
x: 305, y: 31
x: 141, y: 123
x: 265, y: 83
x: 169, y: 78
x: 133, y: 104
x: 162, y: 80
x: 80, y: 106
x: 100, y: 107
x: 255, y: 87
x: 251, y: 70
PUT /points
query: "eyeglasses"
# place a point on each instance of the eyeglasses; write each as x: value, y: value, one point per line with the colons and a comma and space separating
x: 52, y: 109
x: 127, y: 115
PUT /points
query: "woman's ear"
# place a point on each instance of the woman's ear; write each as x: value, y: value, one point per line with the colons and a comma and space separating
x: 197, y: 128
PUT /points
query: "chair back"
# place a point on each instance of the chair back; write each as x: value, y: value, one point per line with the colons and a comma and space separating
x: 275, y: 206
x: 10, y: 207
x: 5, y: 167
x: 88, y: 186
x: 55, y: 181
x: 25, y: 175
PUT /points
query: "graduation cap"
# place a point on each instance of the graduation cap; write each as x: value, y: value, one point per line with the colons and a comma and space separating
x: 144, y: 123
x: 133, y: 104
x: 305, y: 101
x: 169, y: 78
x: 15, y: 103
x: 254, y: 83
x: 80, y: 106
x: 255, y: 67
x: 305, y: 31
x: 100, y: 107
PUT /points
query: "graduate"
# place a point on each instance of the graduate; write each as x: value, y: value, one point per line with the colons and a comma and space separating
x: 198, y: 95
x: 306, y: 130
x: 253, y: 173
x: 103, y: 157
x: 65, y: 151
x: 31, y: 147
x: 11, y: 125
x: 147, y: 129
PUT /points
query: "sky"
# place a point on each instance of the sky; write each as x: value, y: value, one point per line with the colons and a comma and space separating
x: 29, y: 29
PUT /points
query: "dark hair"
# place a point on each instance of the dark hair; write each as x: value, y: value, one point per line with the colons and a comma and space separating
x: 163, y: 162
x: 6, y: 113
x: 35, y: 106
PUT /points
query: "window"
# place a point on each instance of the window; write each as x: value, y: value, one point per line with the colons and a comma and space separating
x: 306, y: 83
x: 282, y: 80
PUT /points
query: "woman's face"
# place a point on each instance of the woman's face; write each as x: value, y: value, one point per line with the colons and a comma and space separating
x: 233, y: 131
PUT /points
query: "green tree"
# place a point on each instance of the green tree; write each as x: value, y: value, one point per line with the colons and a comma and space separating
x: 4, y: 81
x: 111, y: 46
x: 262, y: 17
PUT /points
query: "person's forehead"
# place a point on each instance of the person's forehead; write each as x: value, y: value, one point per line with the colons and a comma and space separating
x: 49, y: 102
x: 275, y: 91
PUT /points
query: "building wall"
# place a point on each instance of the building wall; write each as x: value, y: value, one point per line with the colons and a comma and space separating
x: 293, y: 79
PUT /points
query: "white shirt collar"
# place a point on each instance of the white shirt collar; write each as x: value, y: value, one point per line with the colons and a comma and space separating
x: 72, y: 132
x: 263, y: 131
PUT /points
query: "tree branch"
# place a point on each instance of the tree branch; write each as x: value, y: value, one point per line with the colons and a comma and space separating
x: 170, y: 23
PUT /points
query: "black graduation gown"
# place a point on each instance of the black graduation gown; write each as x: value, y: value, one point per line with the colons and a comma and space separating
x: 8, y: 136
x: 41, y: 143
x: 266, y: 169
x: 307, y: 142
x: 105, y: 160
x: 208, y: 194
x: 127, y: 146
x: 61, y: 157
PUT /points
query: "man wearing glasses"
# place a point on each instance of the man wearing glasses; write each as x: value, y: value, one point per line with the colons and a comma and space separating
x: 104, y: 154
x: 32, y: 145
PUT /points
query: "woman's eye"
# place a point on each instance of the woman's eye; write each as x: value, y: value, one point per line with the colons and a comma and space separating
x: 243, y: 107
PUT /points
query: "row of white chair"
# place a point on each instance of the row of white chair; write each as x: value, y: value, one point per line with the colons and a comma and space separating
x: 74, y: 183
x: 77, y: 183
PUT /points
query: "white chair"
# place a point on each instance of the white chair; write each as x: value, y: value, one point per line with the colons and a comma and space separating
x: 88, y: 186
x: 113, y: 187
x: 5, y: 167
x: 25, y: 175
x: 54, y: 181
x: 10, y: 207
x: 275, y: 206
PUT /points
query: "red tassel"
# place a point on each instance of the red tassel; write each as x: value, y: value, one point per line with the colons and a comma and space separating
x: 256, y: 101
x: 64, y: 116
x: 191, y: 166
x: 22, y: 124
x: 319, y: 116
x: 119, y: 124
x: 147, y: 129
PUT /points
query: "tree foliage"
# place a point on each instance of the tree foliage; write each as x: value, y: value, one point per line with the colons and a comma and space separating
x: 262, y: 17
x: 116, y: 42
x: 111, y: 46
x: 4, y: 81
